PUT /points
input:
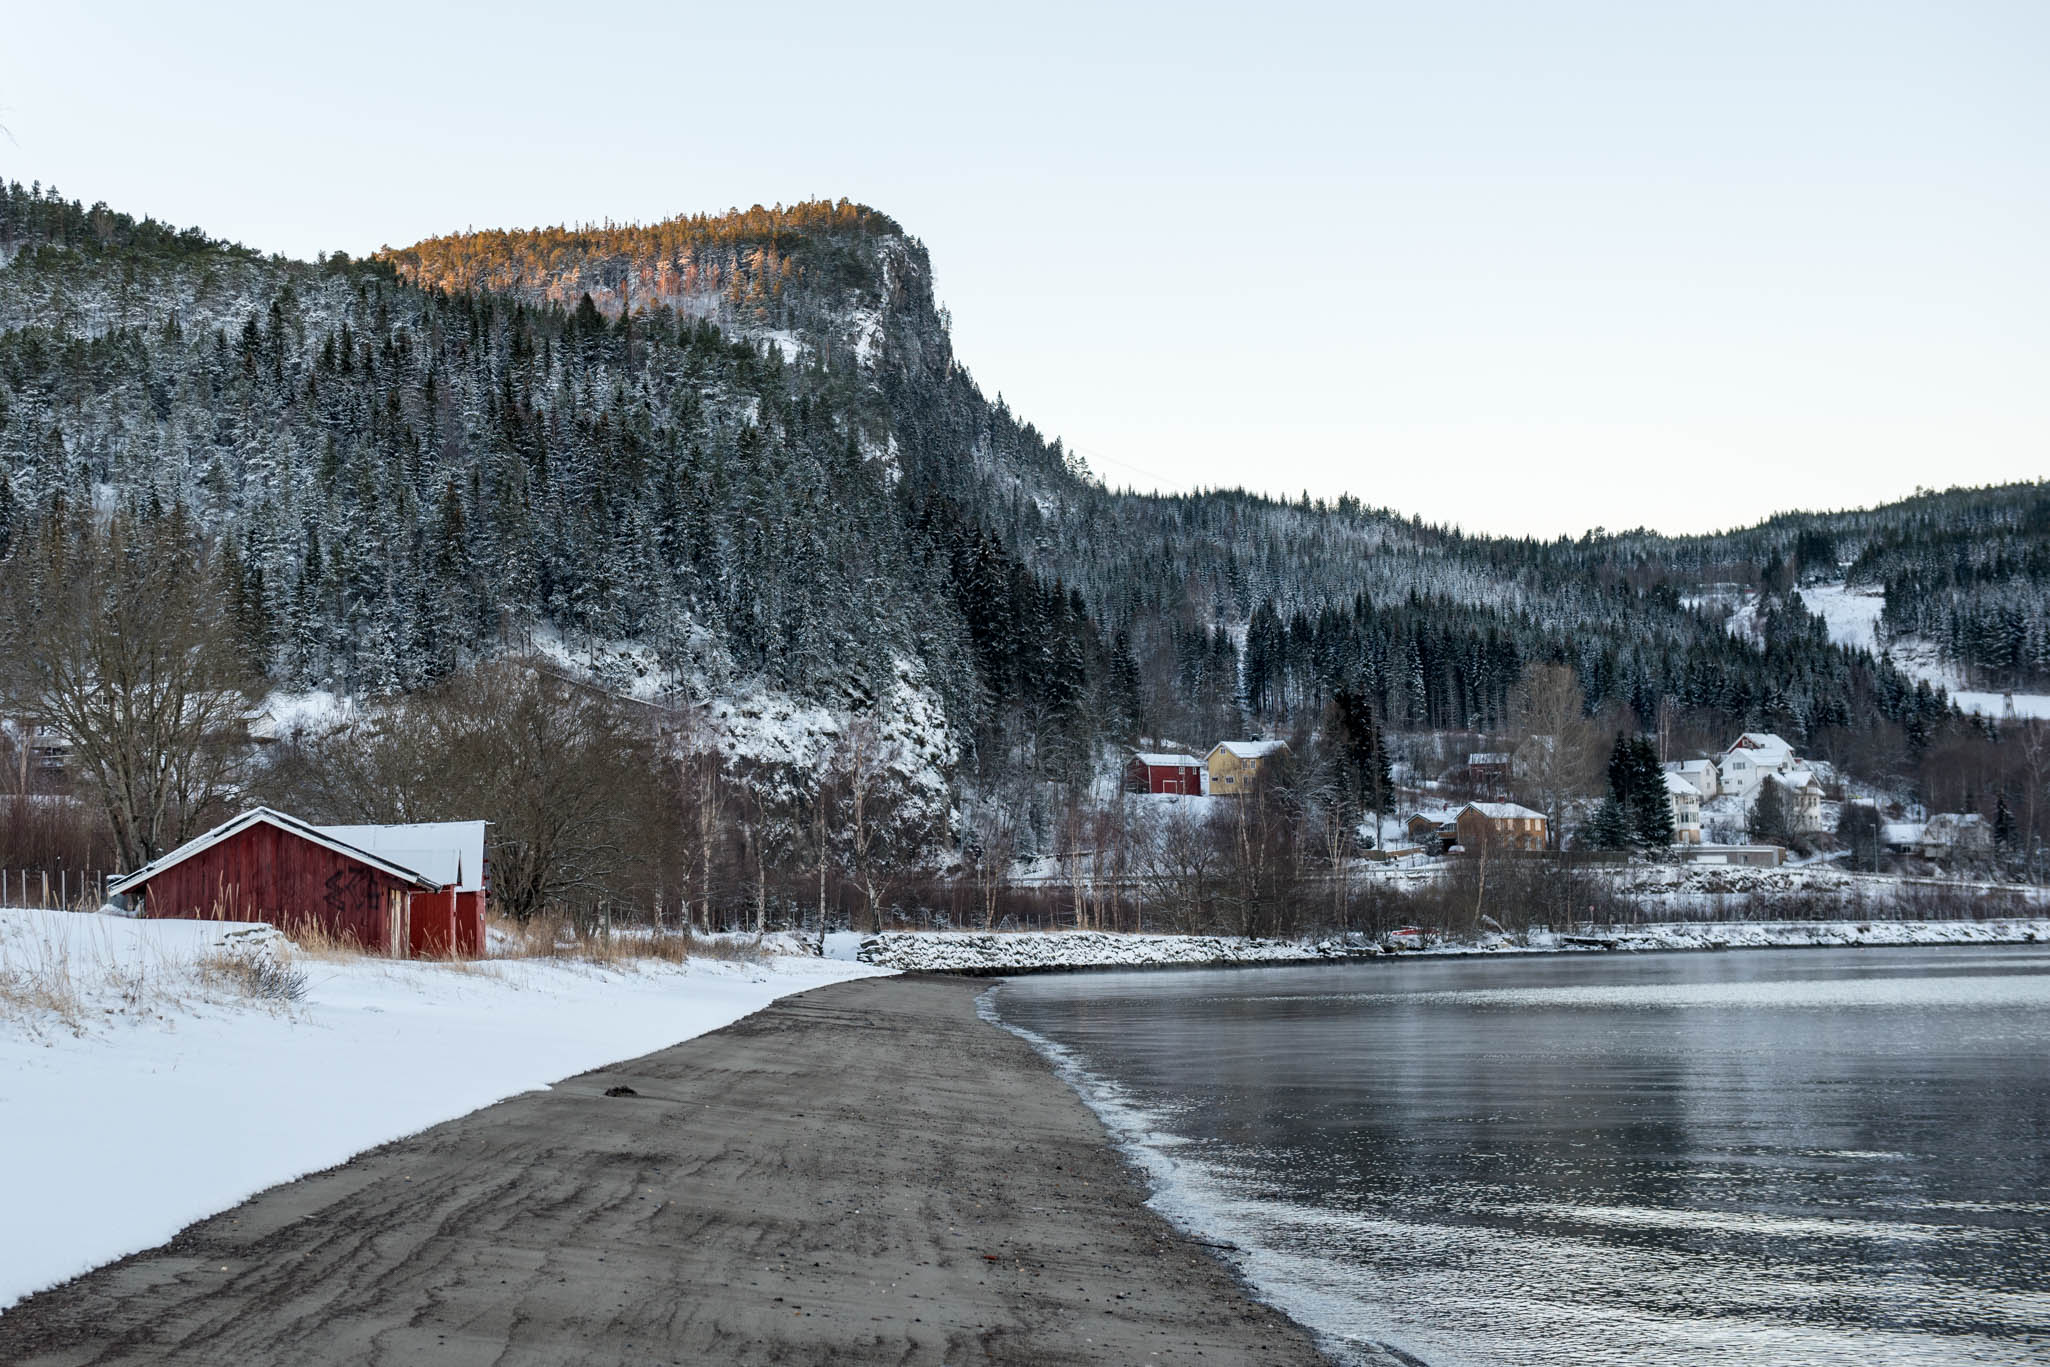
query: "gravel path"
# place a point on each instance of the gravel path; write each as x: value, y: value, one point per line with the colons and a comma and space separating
x: 865, y: 1173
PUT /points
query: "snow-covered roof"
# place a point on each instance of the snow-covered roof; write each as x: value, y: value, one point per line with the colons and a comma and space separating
x: 449, y: 852
x: 1249, y: 749
x: 1901, y: 832
x: 1798, y: 778
x: 1761, y: 740
x: 1161, y: 760
x: 1947, y: 822
x: 1690, y: 766
x: 1441, y: 816
x: 1487, y: 757
x: 265, y: 816
x: 1681, y: 787
x: 1503, y: 811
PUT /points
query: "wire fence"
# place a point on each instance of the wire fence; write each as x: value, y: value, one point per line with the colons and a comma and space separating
x: 58, y: 889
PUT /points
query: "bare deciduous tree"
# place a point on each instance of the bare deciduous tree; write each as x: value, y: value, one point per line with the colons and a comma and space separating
x: 119, y: 639
x: 568, y: 777
x: 1559, y: 757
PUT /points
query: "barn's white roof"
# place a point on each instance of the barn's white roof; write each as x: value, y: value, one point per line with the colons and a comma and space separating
x: 291, y: 824
x: 1160, y: 760
x: 449, y: 852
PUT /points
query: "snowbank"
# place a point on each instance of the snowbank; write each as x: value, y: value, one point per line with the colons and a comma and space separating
x: 1043, y: 951
x: 143, y: 1086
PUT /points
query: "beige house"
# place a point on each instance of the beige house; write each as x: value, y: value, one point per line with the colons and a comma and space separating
x: 1686, y: 803
x: 1500, y: 826
x: 1234, y: 765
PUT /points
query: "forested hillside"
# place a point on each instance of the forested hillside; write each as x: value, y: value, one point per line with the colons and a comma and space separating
x: 735, y: 452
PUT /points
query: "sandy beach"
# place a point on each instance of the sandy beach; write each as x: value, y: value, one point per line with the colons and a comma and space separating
x: 865, y: 1173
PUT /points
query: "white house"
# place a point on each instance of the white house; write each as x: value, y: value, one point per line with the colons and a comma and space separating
x: 1699, y: 772
x: 1803, y: 793
x: 1955, y: 835
x: 1686, y: 803
x: 1754, y: 755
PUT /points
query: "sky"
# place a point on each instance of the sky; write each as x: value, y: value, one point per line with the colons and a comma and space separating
x: 1527, y: 268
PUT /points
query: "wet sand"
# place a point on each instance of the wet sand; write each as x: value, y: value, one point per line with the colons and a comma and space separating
x: 865, y: 1173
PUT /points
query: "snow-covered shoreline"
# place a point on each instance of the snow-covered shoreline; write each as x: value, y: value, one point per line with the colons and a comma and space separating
x: 999, y: 954
x: 142, y: 1087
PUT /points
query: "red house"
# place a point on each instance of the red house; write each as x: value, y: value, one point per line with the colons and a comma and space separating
x: 267, y: 866
x: 1164, y: 773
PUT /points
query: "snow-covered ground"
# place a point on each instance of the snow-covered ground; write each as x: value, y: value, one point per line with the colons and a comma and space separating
x: 1852, y: 615
x: 143, y: 1086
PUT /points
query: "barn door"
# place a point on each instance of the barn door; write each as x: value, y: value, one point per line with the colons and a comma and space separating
x: 398, y: 923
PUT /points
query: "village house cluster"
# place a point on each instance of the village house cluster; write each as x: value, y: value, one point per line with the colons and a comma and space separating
x: 1753, y: 759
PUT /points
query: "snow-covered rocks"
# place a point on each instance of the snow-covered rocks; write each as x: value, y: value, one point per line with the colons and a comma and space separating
x: 1045, y: 951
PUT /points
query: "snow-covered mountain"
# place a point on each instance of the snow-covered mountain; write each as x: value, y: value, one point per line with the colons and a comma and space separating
x: 734, y: 458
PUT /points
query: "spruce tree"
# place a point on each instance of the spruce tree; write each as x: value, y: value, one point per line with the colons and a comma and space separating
x: 1651, y: 809
x: 1769, y: 821
x: 1608, y: 828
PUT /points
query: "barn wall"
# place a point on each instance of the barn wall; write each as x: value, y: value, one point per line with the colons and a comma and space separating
x: 267, y: 874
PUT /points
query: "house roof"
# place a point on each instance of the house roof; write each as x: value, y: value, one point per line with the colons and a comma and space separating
x: 1798, y: 778
x: 1487, y: 757
x: 1676, y: 784
x: 264, y: 816
x: 1249, y: 749
x: 1502, y: 811
x: 1690, y: 766
x: 1945, y: 823
x: 1760, y: 740
x: 449, y: 852
x: 1439, y: 816
x: 1163, y: 760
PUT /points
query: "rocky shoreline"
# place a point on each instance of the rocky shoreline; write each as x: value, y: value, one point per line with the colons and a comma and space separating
x: 1009, y: 954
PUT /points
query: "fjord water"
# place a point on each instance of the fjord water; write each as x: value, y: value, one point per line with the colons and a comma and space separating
x: 1767, y: 1157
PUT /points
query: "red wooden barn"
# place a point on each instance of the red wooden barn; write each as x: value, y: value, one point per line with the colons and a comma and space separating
x: 1148, y: 772
x: 267, y: 866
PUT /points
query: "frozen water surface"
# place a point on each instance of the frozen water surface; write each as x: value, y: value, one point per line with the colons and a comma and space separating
x: 1795, y: 1157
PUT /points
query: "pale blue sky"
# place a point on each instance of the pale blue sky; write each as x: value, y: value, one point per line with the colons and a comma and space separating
x: 1529, y: 267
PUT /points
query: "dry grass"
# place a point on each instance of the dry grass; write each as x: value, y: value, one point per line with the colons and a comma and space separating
x: 553, y: 936
x: 40, y: 991
x: 72, y: 982
x: 260, y: 976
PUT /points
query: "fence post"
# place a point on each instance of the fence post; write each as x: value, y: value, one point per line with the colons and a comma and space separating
x: 46, y: 889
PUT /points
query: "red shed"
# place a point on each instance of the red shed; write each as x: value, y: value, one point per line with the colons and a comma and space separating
x: 267, y: 866
x: 1148, y: 772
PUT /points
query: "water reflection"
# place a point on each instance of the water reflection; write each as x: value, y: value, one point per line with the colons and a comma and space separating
x: 1771, y: 1157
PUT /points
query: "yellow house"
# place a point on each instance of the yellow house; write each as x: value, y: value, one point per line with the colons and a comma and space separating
x: 1233, y: 765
